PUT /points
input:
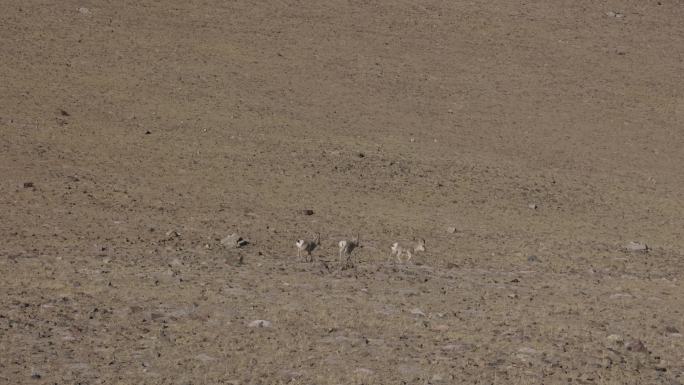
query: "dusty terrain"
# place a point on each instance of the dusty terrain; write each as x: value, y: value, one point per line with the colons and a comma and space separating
x: 134, y: 135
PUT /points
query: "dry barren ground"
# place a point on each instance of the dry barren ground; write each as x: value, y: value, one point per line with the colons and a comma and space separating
x: 134, y: 135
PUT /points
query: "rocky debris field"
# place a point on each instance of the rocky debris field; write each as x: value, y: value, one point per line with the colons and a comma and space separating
x: 159, y: 161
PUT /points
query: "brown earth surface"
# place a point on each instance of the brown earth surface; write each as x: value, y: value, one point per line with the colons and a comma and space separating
x: 135, y: 135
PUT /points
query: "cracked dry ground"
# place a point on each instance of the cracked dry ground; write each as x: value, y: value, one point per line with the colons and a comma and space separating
x: 135, y: 136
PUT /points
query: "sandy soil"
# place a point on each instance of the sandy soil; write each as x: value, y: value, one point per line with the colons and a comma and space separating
x: 135, y: 135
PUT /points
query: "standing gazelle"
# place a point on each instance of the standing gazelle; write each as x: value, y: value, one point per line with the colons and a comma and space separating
x: 346, y: 248
x: 308, y: 246
x: 398, y: 249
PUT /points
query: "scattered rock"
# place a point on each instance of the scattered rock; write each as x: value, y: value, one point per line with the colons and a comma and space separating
x: 306, y: 212
x: 512, y: 295
x: 148, y: 132
x: 64, y: 113
x: 84, y: 11
x: 172, y: 234
x: 451, y: 229
x: 532, y: 258
x: 671, y: 330
x: 361, y: 155
x: 260, y: 323
x: 36, y: 375
x: 637, y: 247
x: 416, y: 311
x: 233, y: 240
x: 533, y: 206
x: 636, y: 346
x: 28, y: 185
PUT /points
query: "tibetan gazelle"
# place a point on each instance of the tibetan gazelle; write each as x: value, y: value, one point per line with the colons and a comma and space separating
x: 307, y: 246
x: 399, y: 249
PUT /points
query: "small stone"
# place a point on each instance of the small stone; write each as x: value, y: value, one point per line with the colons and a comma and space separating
x: 610, y: 14
x: 363, y: 371
x: 440, y: 328
x: 532, y: 258
x: 416, y: 311
x: 451, y: 229
x: 615, y: 338
x: 204, y: 357
x: 533, y: 206
x: 512, y: 295
x: 233, y: 240
x: 636, y: 346
x: 148, y: 132
x: 260, y: 323
x: 28, y: 184
x: 289, y: 376
x: 637, y: 247
x: 361, y: 155
x: 455, y: 347
x: 526, y: 350
x: 84, y: 11
x: 306, y: 212
x: 172, y: 234
x: 620, y: 296
x: 671, y: 330
x: 36, y: 375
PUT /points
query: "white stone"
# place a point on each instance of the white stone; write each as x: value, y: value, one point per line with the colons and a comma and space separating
x: 260, y: 323
x: 416, y: 311
x: 636, y: 246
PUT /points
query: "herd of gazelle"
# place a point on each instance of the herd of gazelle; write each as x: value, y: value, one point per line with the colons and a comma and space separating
x: 347, y: 246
